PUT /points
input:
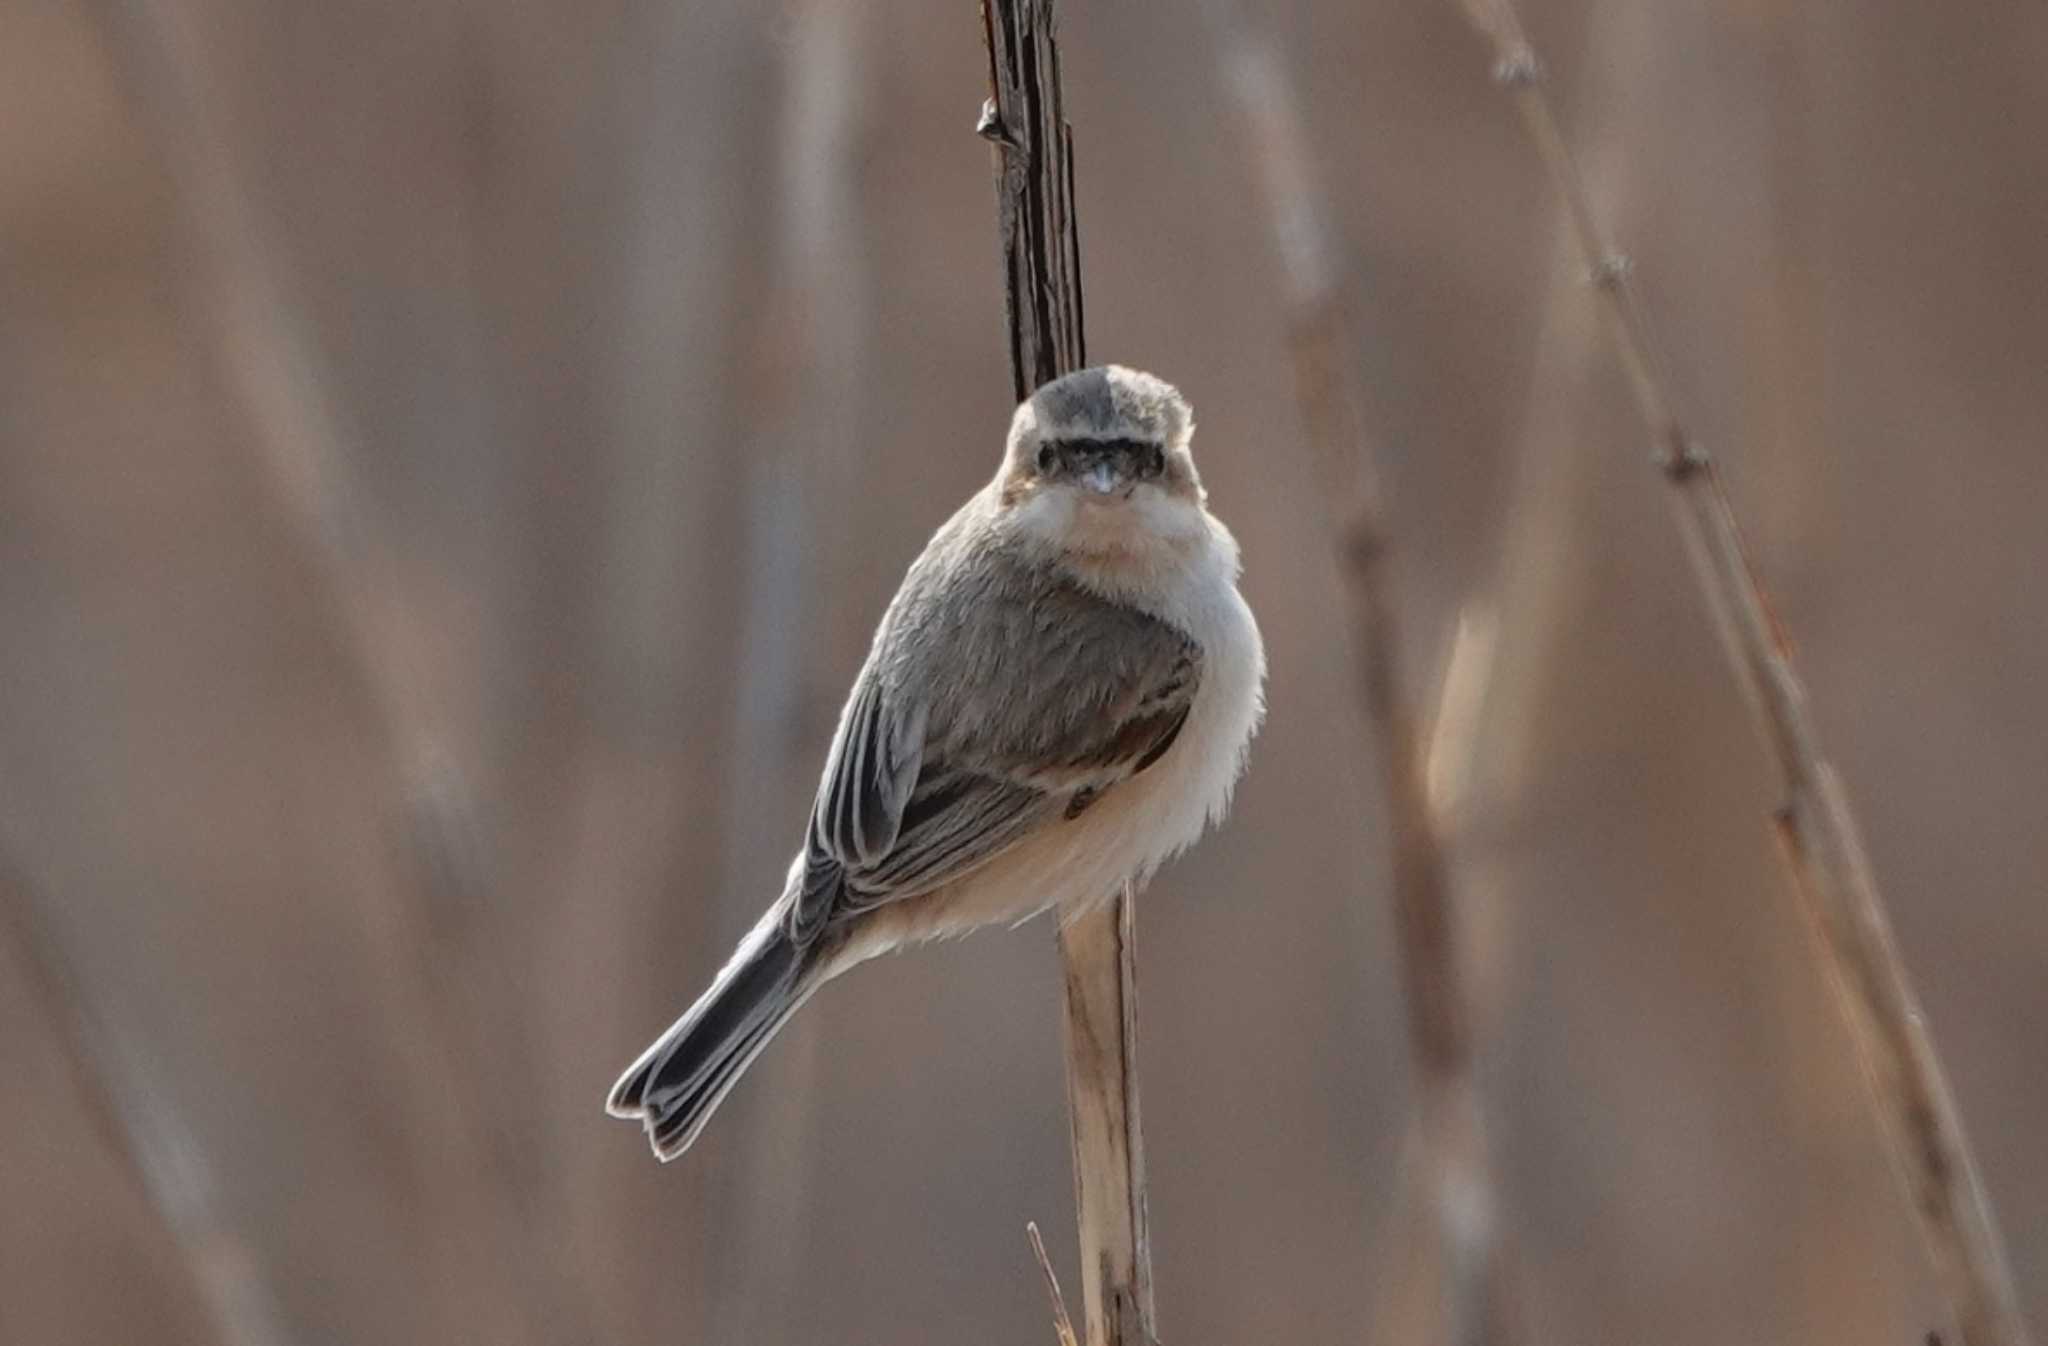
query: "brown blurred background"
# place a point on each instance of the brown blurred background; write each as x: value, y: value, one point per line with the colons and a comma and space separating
x: 452, y: 455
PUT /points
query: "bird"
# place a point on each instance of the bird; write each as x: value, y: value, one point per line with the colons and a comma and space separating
x: 1060, y: 697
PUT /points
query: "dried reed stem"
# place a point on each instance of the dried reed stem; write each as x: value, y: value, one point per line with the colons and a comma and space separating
x: 1821, y: 843
x: 811, y: 376
x: 1098, y: 952
x: 1062, y: 1322
x: 1042, y: 300
x: 1327, y: 360
x: 221, y: 1269
x: 298, y: 433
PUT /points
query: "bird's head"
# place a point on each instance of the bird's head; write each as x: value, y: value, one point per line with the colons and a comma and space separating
x: 1103, y: 453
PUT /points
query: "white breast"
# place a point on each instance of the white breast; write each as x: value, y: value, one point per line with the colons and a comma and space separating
x: 1227, y: 706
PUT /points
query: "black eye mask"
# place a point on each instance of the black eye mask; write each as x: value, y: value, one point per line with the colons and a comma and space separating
x: 1132, y: 459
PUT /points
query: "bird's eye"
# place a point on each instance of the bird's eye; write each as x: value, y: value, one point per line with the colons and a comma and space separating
x: 1155, y: 461
x: 1046, y: 458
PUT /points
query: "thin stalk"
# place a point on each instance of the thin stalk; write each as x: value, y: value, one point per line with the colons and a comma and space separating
x: 149, y: 1149
x: 1034, y: 166
x: 298, y: 432
x: 1821, y: 842
x: 1062, y: 1322
x: 811, y: 379
x: 1326, y: 356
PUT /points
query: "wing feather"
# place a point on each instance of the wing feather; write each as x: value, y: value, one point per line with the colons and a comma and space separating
x: 1052, y: 696
x: 868, y: 777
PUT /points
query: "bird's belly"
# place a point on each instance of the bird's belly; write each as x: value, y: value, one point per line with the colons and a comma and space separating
x: 1073, y: 864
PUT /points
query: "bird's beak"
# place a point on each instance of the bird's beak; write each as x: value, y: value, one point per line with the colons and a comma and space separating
x: 1101, y: 478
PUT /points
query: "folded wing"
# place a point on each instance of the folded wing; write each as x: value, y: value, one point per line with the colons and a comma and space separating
x: 963, y: 738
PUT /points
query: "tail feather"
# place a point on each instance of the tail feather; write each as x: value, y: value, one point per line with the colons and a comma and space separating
x: 677, y: 1083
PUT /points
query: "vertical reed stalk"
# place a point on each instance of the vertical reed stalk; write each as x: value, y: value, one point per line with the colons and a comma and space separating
x: 297, y: 430
x: 147, y: 1145
x: 1041, y: 246
x: 1820, y: 840
x: 1460, y: 1196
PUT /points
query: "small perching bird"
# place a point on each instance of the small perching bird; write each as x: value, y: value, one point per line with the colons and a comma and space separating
x: 1059, y: 698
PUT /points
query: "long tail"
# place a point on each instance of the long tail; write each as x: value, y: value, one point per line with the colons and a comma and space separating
x: 679, y: 1081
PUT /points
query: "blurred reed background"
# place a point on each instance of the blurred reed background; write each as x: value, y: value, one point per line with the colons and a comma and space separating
x: 452, y: 456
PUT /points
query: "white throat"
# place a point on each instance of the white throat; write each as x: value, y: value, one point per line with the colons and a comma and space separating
x: 1158, y: 553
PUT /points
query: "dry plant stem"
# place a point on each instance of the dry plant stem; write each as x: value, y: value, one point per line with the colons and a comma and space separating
x: 297, y: 429
x: 1326, y: 362
x: 223, y: 1273
x: 804, y: 457
x: 1099, y: 954
x: 1042, y: 300
x: 1025, y: 119
x: 1829, y: 864
x: 1062, y: 1324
